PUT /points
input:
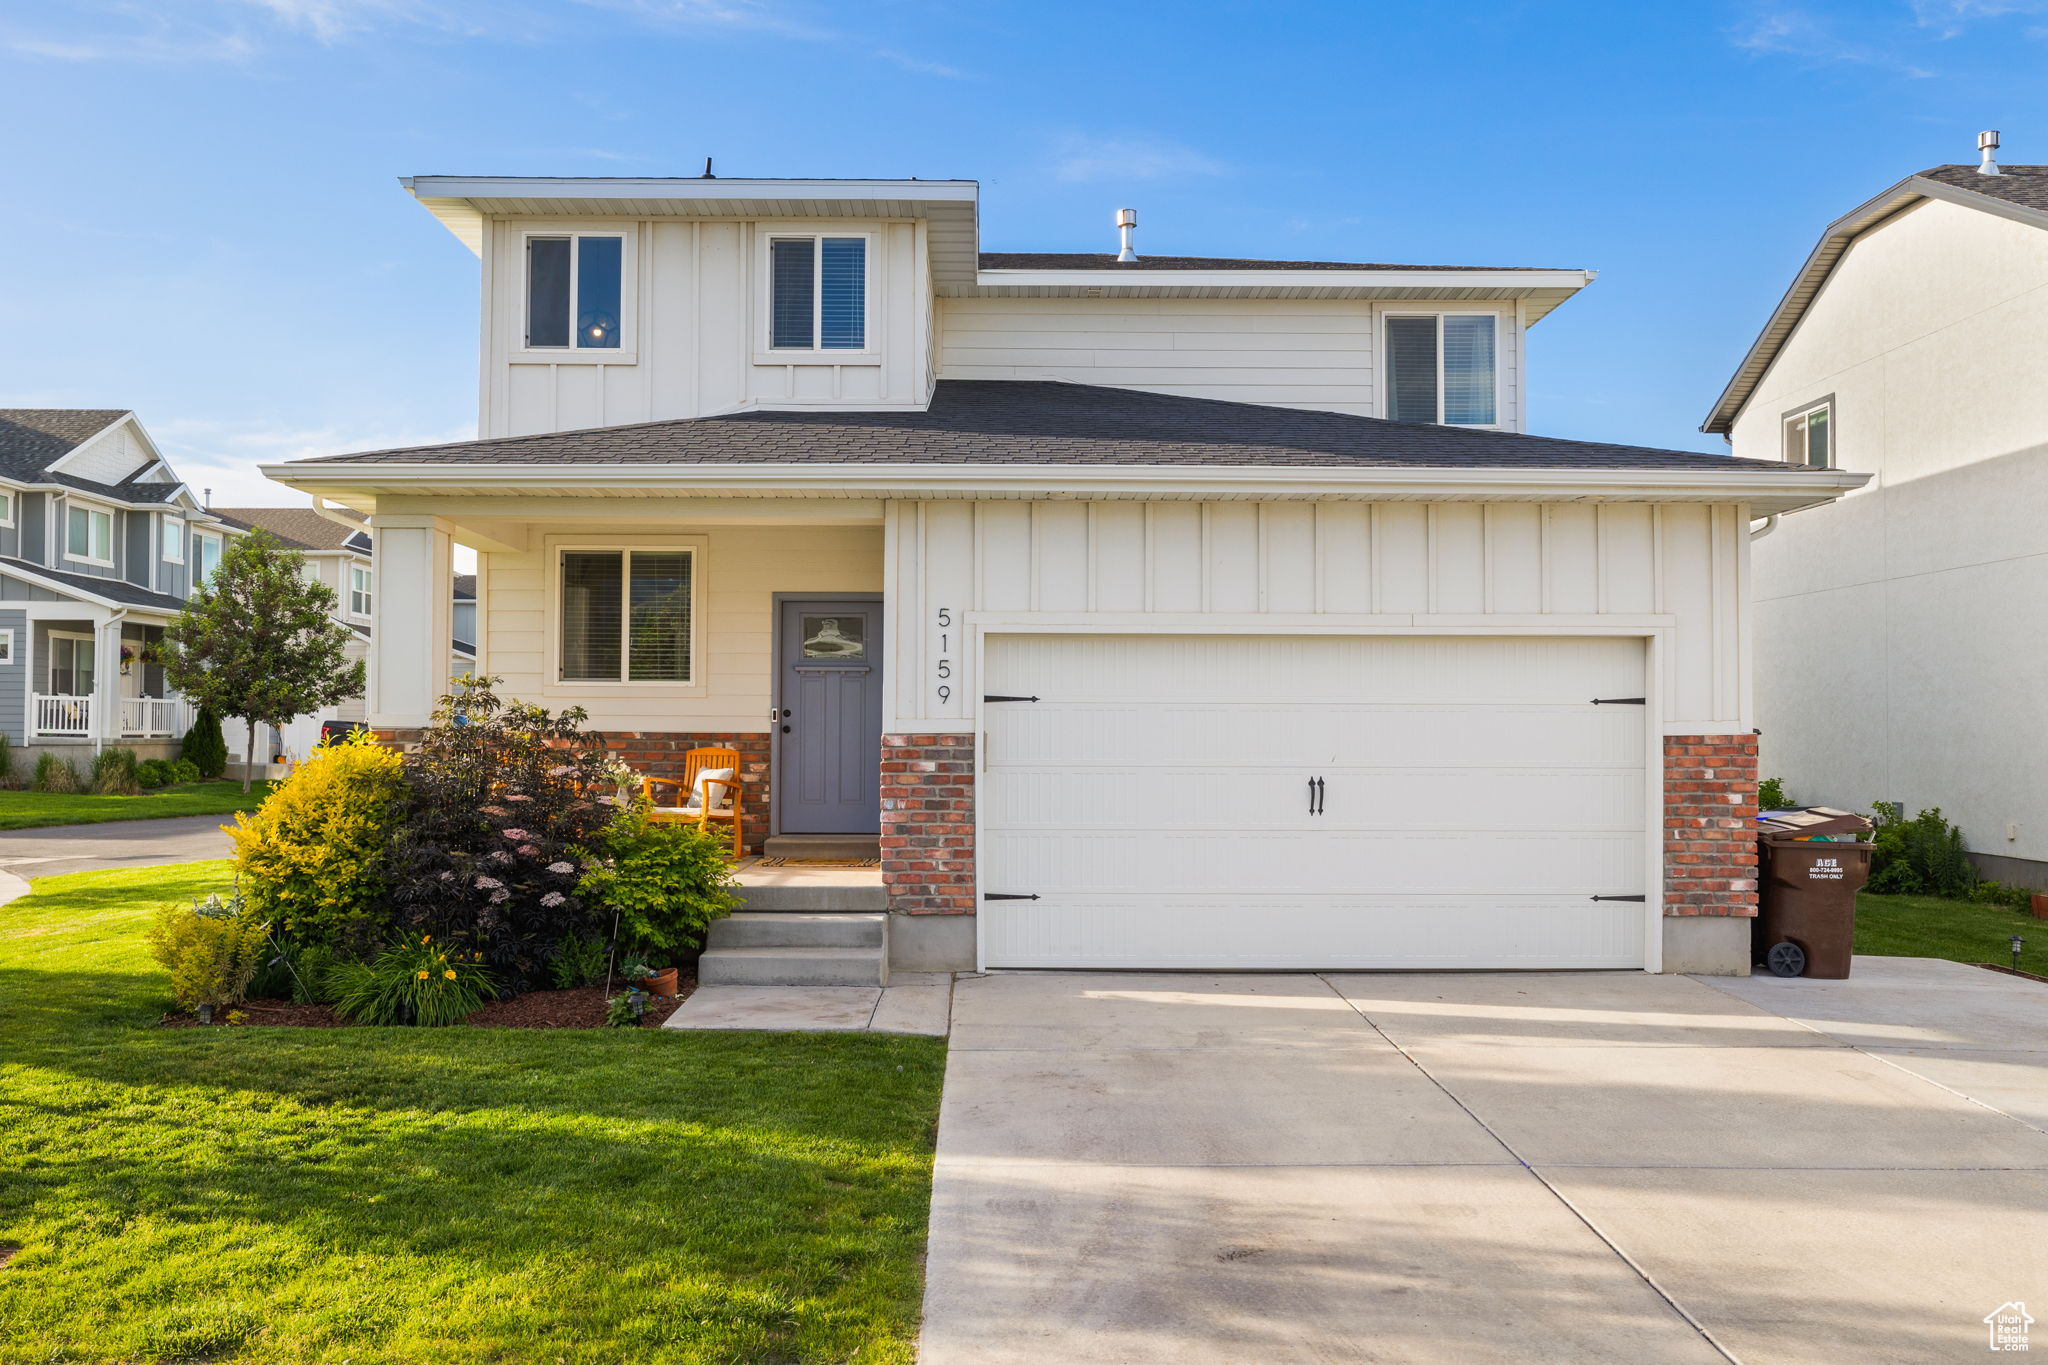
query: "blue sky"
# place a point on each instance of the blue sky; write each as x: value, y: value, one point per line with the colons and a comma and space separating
x: 202, y: 220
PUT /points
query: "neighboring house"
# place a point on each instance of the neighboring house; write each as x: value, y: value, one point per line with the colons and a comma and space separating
x: 1896, y: 630
x: 99, y: 545
x: 1172, y: 612
x: 335, y: 544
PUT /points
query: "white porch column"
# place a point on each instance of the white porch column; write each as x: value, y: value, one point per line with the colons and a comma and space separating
x: 412, y: 617
x: 106, y: 681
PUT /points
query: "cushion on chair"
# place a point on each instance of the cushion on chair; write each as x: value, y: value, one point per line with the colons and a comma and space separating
x: 724, y: 801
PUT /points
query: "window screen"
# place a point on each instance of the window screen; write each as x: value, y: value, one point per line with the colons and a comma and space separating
x: 1411, y: 369
x: 660, y: 596
x: 592, y: 600
x: 844, y: 293
x: 792, y: 266
x: 1468, y: 370
x: 547, y: 291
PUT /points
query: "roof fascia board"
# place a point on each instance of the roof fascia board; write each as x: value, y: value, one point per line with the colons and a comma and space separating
x: 1801, y: 487
x: 666, y: 187
x: 1820, y: 264
x: 1289, y: 279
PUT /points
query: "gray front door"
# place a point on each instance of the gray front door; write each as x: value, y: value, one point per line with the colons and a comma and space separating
x: 828, y: 777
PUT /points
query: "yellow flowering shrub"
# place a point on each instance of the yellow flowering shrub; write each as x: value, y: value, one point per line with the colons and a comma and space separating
x: 212, y: 950
x: 313, y: 856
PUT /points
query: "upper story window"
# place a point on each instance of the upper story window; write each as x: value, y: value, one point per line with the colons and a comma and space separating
x: 1810, y: 436
x: 89, y: 535
x: 205, y: 556
x: 358, y: 591
x: 6, y: 509
x: 626, y: 615
x: 818, y: 293
x: 1443, y: 368
x: 574, y: 285
x: 174, y: 540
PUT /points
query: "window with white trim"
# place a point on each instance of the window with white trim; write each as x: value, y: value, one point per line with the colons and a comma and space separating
x: 627, y: 615
x: 174, y: 539
x: 817, y: 293
x: 1443, y: 368
x: 574, y: 292
x: 206, y: 550
x: 71, y: 665
x: 7, y: 646
x: 358, y: 590
x: 1810, y: 436
x: 6, y: 509
x: 88, y: 535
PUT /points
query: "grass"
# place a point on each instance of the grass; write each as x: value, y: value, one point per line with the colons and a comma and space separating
x: 1962, y: 931
x: 38, y: 810
x: 373, y: 1195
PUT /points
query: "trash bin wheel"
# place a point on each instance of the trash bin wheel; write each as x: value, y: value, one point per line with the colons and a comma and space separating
x: 1786, y: 959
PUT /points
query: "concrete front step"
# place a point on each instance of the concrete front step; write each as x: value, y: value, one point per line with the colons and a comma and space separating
x: 813, y: 899
x: 798, y: 929
x: 822, y: 846
x: 794, y: 967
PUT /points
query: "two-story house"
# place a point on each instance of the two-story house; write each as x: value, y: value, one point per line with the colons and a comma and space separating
x: 1139, y: 612
x: 100, y: 543
x: 1896, y: 629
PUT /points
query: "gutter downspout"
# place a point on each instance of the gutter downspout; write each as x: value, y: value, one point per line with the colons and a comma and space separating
x: 1757, y: 533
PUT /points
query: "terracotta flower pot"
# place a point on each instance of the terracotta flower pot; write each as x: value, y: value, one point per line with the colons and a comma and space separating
x: 661, y: 983
x: 2040, y: 902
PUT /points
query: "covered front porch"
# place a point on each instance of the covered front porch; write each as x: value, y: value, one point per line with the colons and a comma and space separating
x: 94, y: 678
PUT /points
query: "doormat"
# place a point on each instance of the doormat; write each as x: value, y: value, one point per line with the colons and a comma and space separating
x: 819, y: 862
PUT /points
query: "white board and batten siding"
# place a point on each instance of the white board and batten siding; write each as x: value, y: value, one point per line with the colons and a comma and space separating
x: 1301, y: 353
x: 1435, y: 665
x: 693, y: 335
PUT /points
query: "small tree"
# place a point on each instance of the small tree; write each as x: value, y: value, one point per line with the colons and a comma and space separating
x: 259, y: 642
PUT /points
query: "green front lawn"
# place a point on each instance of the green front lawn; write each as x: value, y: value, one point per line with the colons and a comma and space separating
x: 375, y: 1195
x: 1962, y: 931
x: 35, y: 810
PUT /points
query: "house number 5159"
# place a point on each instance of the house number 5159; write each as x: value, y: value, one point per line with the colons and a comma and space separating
x: 943, y: 668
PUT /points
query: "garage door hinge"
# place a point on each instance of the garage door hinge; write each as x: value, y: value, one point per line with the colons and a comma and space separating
x: 1620, y: 898
x: 1621, y: 701
x: 1005, y: 896
x: 1009, y: 699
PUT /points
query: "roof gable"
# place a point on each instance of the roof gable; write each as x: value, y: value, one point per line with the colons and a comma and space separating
x: 2019, y: 193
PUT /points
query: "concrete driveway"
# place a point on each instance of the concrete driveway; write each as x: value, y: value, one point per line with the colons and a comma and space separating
x: 1526, y: 1167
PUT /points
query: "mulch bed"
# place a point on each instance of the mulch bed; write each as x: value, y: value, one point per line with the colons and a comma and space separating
x: 580, y: 1008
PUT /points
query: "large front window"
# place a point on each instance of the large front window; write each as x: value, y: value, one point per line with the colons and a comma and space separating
x: 1441, y: 368
x: 574, y: 286
x: 89, y: 535
x: 818, y: 289
x: 626, y: 615
x: 71, y: 665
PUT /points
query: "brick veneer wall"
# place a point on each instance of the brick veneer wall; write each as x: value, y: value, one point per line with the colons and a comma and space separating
x: 660, y: 754
x: 928, y: 823
x: 1710, y: 824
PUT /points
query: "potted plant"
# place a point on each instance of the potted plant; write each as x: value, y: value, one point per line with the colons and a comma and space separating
x: 641, y: 975
x: 2039, y: 900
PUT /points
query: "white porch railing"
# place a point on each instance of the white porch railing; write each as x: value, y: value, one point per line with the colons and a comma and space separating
x: 58, y: 715
x: 141, y: 717
x: 154, y: 717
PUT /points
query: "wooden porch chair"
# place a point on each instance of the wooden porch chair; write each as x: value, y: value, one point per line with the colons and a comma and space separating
x: 719, y: 798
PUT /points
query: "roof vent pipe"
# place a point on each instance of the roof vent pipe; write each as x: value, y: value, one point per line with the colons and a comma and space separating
x: 1987, y: 143
x: 1126, y: 224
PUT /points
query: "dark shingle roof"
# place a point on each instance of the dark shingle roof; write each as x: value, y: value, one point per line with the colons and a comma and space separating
x: 1088, y: 260
x: 301, y: 528
x: 32, y: 439
x: 112, y: 589
x: 2026, y: 186
x: 465, y: 587
x: 1018, y: 422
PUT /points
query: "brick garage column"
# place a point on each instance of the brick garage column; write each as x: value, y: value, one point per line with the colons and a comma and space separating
x: 1709, y: 852
x: 928, y: 823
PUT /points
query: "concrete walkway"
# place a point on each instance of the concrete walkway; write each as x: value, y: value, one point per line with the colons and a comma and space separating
x: 913, y: 1002
x: 117, y: 843
x: 1458, y: 1168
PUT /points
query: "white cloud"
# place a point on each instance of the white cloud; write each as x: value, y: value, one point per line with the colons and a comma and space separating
x: 1092, y: 158
x: 919, y: 66
x: 159, y: 46
x: 755, y: 15
x: 1949, y: 18
x: 1816, y: 40
x: 224, y: 455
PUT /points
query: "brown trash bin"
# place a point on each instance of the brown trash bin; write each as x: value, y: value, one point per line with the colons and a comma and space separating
x: 1810, y: 865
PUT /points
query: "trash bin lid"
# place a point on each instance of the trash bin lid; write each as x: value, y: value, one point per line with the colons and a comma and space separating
x: 1804, y: 824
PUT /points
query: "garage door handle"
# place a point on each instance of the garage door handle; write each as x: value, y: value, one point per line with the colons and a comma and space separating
x: 1620, y: 898
x: 1621, y: 701
x: 1005, y: 896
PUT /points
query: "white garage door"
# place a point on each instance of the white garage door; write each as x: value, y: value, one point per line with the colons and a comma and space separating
x: 1157, y: 800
